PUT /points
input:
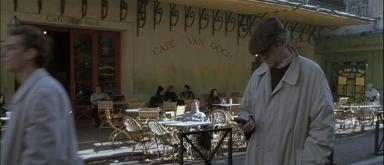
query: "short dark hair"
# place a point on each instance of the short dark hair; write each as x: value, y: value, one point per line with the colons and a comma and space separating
x: 34, y: 37
x: 159, y: 90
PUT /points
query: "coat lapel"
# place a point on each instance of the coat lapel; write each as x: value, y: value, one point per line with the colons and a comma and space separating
x: 28, y: 84
x: 292, y: 74
x: 265, y: 77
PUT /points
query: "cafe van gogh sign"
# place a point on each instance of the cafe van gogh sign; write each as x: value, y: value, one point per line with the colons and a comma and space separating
x: 196, y: 42
x: 71, y: 20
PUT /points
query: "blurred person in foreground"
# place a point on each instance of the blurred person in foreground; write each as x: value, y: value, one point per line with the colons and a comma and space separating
x: 41, y: 128
x: 287, y: 104
x: 194, y: 114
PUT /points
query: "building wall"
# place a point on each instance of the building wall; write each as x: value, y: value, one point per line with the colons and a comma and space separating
x: 357, y: 43
x: 27, y: 12
x: 367, y: 48
x: 157, y: 56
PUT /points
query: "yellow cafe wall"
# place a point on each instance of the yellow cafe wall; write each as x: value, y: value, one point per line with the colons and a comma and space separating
x: 154, y: 56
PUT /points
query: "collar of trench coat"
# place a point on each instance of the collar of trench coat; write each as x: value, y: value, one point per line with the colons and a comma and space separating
x: 28, y: 83
x: 291, y: 76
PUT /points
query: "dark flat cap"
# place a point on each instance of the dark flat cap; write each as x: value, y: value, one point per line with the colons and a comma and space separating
x: 265, y: 35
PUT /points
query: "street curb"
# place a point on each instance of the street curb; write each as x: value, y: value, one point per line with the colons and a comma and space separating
x: 370, y: 161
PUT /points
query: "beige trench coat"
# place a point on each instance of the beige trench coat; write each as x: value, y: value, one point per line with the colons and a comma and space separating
x: 295, y: 122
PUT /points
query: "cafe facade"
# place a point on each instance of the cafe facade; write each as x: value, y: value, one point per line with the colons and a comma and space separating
x: 129, y: 47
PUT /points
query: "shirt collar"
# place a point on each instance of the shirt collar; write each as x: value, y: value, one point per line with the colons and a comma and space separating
x: 292, y: 74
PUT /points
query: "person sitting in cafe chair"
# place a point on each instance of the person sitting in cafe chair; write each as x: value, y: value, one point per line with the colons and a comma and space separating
x: 203, y: 139
x: 213, y: 99
x: 187, y: 93
x: 194, y: 114
x: 97, y: 96
x: 158, y: 99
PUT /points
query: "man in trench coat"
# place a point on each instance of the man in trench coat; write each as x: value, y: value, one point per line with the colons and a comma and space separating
x: 41, y: 127
x: 287, y: 103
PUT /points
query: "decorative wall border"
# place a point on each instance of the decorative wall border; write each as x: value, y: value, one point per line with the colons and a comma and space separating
x: 219, y: 20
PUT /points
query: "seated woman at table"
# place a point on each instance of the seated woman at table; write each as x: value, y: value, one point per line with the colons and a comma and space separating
x: 213, y: 99
x: 158, y: 99
x: 170, y: 94
x: 95, y: 97
x: 187, y: 93
x: 194, y: 114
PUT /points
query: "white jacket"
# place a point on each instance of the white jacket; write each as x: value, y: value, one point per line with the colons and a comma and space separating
x: 295, y: 122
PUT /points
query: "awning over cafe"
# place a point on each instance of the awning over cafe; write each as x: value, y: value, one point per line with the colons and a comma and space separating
x: 288, y: 11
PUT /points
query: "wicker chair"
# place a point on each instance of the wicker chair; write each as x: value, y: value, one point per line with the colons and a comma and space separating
x: 102, y: 106
x: 115, y: 121
x: 180, y: 110
x: 147, y: 114
x: 220, y: 119
x: 166, y: 138
x: 138, y: 134
x: 169, y: 108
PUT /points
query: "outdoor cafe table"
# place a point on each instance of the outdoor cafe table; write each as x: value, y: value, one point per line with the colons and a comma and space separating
x: 135, y: 110
x: 227, y: 106
x: 164, y: 122
x: 185, y: 124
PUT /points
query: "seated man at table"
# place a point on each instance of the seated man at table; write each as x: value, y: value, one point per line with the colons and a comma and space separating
x: 99, y: 95
x: 194, y: 114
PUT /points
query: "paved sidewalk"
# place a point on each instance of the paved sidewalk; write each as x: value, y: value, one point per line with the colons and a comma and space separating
x: 355, y: 149
x: 378, y: 160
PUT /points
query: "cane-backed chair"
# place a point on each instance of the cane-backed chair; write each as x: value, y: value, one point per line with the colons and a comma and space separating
x: 102, y: 106
x: 138, y: 134
x: 147, y: 114
x: 170, y: 108
x: 180, y: 110
x: 166, y: 138
x: 115, y: 121
x: 220, y: 119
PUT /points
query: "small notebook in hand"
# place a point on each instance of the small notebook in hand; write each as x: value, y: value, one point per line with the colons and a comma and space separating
x: 242, y: 121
